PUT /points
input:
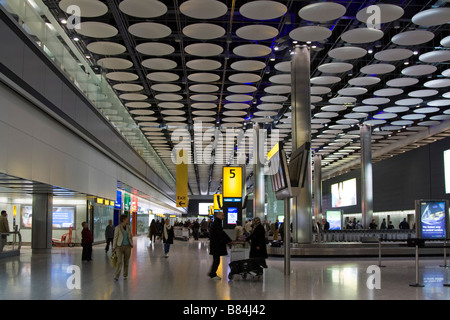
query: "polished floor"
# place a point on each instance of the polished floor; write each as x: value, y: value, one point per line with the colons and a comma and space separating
x: 183, y: 276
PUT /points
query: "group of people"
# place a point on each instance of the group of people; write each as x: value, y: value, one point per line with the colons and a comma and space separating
x: 163, y: 231
x: 253, y: 232
x: 120, y: 238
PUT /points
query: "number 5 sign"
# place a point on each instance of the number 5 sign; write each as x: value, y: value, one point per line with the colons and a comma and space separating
x: 232, y: 182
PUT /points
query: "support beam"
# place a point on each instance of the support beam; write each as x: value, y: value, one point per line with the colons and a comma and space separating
x: 318, y: 188
x: 301, y: 133
x: 366, y: 175
x: 410, y: 140
x: 259, y: 190
x: 42, y: 208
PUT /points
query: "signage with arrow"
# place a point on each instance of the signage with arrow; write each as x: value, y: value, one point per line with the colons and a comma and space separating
x: 182, y: 199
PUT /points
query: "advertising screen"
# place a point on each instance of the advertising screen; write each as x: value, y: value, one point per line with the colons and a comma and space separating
x: 334, y: 218
x: 63, y: 217
x: 432, y: 219
x: 232, y: 215
x: 203, y: 208
x: 343, y: 194
x: 447, y: 170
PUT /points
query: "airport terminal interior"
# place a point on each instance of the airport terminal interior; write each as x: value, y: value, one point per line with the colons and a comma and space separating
x: 310, y: 140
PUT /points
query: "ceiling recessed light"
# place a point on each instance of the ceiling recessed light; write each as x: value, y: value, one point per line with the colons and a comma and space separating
x: 76, y: 39
x: 63, y: 21
x: 370, y: 51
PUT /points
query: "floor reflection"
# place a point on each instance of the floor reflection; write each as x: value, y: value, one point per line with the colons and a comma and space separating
x: 183, y: 275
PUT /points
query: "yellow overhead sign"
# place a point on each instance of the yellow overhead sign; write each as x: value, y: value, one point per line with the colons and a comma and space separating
x: 182, y: 179
x: 218, y: 201
x: 273, y: 151
x: 232, y: 182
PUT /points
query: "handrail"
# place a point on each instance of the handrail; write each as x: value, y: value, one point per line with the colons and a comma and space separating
x: 15, y: 233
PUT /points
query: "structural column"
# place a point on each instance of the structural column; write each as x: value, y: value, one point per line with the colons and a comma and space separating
x: 317, y: 187
x: 366, y: 175
x: 259, y: 190
x: 301, y: 133
x: 42, y: 210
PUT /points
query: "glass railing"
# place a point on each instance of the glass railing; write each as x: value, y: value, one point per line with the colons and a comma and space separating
x: 60, y: 48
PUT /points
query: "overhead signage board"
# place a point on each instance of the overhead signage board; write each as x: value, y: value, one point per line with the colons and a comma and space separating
x: 232, y: 182
x: 218, y: 202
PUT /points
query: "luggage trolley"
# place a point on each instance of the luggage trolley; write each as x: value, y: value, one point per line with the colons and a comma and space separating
x: 241, y: 264
x: 181, y: 233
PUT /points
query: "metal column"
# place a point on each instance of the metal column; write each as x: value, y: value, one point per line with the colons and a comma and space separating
x: 366, y: 176
x: 287, y: 237
x: 301, y: 133
x: 318, y: 187
x: 259, y: 191
x: 42, y: 209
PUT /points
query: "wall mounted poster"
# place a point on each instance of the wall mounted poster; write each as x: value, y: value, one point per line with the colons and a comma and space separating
x: 63, y: 217
x: 343, y: 194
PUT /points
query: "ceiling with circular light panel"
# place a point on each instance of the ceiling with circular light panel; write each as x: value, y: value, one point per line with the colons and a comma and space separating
x: 227, y: 63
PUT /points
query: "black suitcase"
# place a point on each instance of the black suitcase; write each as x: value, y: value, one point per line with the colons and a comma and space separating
x: 276, y: 244
x: 253, y: 267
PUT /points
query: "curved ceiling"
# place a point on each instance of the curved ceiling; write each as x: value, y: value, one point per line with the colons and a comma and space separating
x: 231, y: 58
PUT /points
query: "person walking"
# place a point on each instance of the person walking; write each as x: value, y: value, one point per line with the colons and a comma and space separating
x: 239, y: 231
x: 195, y: 229
x: 109, y: 235
x: 280, y: 231
x: 204, y: 227
x: 326, y: 225
x: 152, y: 231
x: 123, y: 244
x: 86, y: 242
x: 168, y: 235
x: 274, y: 229
x: 390, y: 225
x: 248, y: 227
x: 160, y: 230
x: 4, y: 225
x: 257, y: 239
x: 404, y: 225
x: 373, y: 225
x: 217, y: 244
x: 4, y: 228
x: 383, y: 225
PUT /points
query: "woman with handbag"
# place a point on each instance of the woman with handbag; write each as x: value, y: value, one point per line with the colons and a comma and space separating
x: 122, y: 245
x: 167, y: 235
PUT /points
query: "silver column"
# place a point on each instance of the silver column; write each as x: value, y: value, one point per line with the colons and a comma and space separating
x: 287, y: 237
x: 259, y: 190
x: 301, y: 133
x: 366, y: 175
x: 318, y: 187
x: 42, y: 209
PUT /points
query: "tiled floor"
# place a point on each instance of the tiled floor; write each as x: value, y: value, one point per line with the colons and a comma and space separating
x: 183, y: 276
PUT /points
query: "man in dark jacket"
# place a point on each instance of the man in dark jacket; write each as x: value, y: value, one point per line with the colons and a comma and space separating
x: 195, y: 229
x: 109, y: 235
x: 218, y: 241
x: 404, y: 225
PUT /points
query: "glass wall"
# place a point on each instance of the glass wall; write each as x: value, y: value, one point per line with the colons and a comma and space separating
x: 102, y: 215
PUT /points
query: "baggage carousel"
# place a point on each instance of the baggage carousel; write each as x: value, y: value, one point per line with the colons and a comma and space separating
x: 358, y: 249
